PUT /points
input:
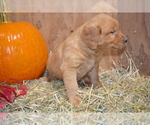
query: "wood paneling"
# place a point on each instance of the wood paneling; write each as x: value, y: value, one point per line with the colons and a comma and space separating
x: 76, y: 6
x: 137, y: 27
x: 55, y: 27
x: 57, y: 6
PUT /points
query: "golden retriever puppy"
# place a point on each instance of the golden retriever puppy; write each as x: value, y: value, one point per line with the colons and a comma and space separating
x: 79, y: 55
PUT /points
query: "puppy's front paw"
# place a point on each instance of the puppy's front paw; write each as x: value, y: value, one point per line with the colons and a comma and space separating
x: 76, y: 100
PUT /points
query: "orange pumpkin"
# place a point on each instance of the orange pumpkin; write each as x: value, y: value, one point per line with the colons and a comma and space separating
x: 23, y: 51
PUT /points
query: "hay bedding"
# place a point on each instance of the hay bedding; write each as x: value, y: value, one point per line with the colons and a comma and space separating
x: 123, y: 91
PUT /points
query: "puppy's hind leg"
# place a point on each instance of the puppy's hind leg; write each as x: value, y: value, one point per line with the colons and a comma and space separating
x: 50, y: 76
x: 94, y: 77
x: 47, y: 77
x: 44, y: 77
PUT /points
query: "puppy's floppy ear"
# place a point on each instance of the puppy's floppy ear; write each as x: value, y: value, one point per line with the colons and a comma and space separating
x: 90, y: 35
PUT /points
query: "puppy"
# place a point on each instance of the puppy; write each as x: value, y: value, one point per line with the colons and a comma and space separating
x: 79, y: 55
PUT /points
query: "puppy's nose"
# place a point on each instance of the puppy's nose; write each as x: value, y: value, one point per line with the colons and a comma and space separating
x: 125, y: 40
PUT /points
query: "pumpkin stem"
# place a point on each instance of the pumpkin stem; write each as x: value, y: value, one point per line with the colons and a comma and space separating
x: 4, y: 18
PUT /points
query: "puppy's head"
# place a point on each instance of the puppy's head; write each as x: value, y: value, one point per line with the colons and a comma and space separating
x: 103, y: 32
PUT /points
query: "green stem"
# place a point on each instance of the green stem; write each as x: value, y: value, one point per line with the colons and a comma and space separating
x: 4, y: 18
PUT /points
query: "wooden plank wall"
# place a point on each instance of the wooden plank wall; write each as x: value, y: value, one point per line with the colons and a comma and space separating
x: 137, y: 28
x: 78, y: 5
x: 55, y: 27
x: 57, y: 6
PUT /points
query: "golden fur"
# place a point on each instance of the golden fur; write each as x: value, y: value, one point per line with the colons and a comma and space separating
x: 79, y: 55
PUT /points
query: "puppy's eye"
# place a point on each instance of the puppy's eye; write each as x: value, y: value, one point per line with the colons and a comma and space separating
x: 113, y: 31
